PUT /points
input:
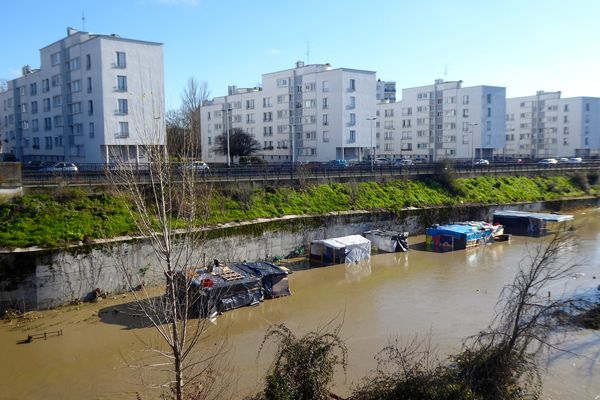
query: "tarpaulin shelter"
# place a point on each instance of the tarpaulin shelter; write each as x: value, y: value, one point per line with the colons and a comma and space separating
x: 274, y: 279
x: 530, y: 223
x: 346, y: 249
x: 451, y: 237
x: 388, y: 241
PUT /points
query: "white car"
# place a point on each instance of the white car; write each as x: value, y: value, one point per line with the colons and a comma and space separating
x: 61, y: 167
x: 575, y: 160
x: 403, y: 162
x: 563, y: 160
x: 197, y: 166
x: 382, y: 161
x: 548, y: 161
x: 481, y: 161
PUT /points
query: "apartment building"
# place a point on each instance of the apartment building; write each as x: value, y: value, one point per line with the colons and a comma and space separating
x: 386, y: 91
x: 93, y: 99
x: 307, y: 113
x: 547, y: 125
x: 443, y: 120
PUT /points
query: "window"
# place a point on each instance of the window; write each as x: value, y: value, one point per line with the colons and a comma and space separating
x: 282, y: 98
x: 123, y: 106
x: 352, y: 85
x: 74, y: 64
x: 36, y: 143
x: 405, y: 123
x: 267, y: 102
x: 90, y: 107
x: 121, y: 59
x: 267, y: 116
x: 390, y: 124
x: 48, y: 142
x: 76, y: 86
x: 450, y: 113
x: 75, y: 108
x: 89, y: 85
x: 48, y: 124
x: 55, y: 59
x: 489, y: 111
x: 268, y: 145
x: 237, y: 118
x: 488, y: 126
x: 405, y: 111
x: 58, y: 141
x: 24, y: 108
x: 312, y: 135
x: 35, y: 125
x: 282, y: 144
x: 309, y: 119
x: 325, y: 119
x: 45, y: 85
x: 299, y: 89
x: 325, y: 86
x: 267, y: 131
x: 352, y: 102
x: 58, y: 120
x: 282, y: 128
x: 466, y: 99
x: 282, y: 82
x: 88, y: 61
x: 249, y: 118
x: 566, y: 119
x: 282, y: 114
x: 121, y: 83
x: 352, y: 119
x: 309, y: 103
x: 46, y: 104
x: 465, y: 113
x: 352, y: 138
x: 249, y: 104
x: 32, y: 89
x: 310, y: 87
x: 24, y: 125
x: 325, y: 104
x: 489, y: 98
x: 123, y: 129
x: 587, y: 106
x: 325, y: 136
x: 421, y: 145
x: 57, y: 101
x: 55, y: 80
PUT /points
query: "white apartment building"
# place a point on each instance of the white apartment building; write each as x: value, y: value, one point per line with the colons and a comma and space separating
x: 308, y: 113
x: 546, y: 125
x: 443, y: 120
x: 94, y: 97
x: 386, y: 91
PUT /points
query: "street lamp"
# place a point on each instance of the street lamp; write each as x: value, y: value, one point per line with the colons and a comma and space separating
x: 472, y: 143
x: 227, y: 113
x: 372, y: 148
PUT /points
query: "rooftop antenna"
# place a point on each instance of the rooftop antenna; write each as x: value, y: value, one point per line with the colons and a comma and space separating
x: 307, y: 53
x: 83, y: 21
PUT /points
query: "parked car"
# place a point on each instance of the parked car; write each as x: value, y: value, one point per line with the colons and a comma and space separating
x: 8, y: 157
x: 337, y: 163
x: 197, y: 166
x: 61, y: 167
x: 403, y: 162
x: 563, y: 160
x: 575, y: 160
x: 481, y: 162
x: 548, y: 162
x: 382, y: 161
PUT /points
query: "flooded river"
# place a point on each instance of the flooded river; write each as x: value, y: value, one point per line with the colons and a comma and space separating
x: 448, y: 296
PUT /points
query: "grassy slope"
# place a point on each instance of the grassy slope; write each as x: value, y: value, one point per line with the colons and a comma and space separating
x: 52, y: 221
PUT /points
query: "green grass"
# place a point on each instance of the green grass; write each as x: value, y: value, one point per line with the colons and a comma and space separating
x: 73, y: 216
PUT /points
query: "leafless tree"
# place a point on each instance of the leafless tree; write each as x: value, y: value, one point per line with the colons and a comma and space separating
x: 502, y: 361
x: 169, y: 205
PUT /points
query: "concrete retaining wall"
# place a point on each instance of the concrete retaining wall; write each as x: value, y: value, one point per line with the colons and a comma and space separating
x: 48, y: 278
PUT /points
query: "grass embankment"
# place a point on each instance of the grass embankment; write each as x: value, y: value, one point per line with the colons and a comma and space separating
x: 73, y: 216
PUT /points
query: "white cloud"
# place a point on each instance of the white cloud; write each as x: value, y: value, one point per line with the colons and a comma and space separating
x: 191, y: 3
x: 273, y: 52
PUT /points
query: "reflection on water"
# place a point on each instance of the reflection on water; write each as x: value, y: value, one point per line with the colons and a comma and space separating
x: 449, y: 295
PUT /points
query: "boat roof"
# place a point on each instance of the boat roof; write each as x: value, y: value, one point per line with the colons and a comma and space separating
x: 344, y: 241
x: 543, y: 216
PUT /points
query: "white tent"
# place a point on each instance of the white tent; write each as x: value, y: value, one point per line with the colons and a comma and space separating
x: 346, y: 249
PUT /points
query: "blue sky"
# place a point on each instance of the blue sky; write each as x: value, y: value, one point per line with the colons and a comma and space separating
x: 525, y: 45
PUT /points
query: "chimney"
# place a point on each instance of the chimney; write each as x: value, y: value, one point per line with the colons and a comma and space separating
x: 71, y: 31
x: 299, y: 64
x: 26, y: 70
x: 231, y: 90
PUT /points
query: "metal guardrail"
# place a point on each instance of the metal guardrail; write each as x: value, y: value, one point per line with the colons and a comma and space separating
x: 98, y: 174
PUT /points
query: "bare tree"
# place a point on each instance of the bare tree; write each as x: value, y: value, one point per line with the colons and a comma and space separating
x: 502, y: 361
x: 169, y: 206
x: 193, y: 95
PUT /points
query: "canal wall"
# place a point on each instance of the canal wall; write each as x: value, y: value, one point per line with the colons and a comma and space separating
x: 39, y: 279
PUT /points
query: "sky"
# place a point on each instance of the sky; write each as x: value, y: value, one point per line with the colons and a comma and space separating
x: 523, y: 45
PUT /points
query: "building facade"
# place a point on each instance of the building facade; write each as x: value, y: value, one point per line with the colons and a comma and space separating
x: 443, y: 120
x: 308, y: 113
x: 94, y: 99
x: 547, y: 125
x: 386, y: 91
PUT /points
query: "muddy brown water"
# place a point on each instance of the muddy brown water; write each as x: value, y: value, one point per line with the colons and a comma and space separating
x: 396, y: 296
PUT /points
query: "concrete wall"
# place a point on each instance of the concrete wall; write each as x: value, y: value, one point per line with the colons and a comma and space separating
x: 44, y: 279
x: 10, y: 180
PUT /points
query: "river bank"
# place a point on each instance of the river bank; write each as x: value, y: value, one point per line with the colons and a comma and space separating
x: 448, y: 296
